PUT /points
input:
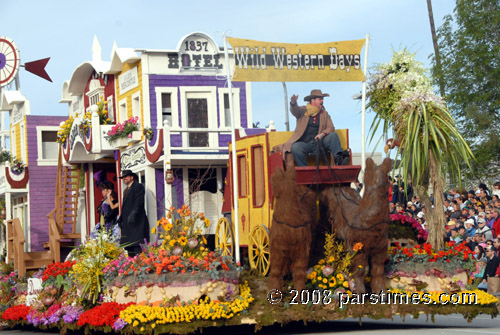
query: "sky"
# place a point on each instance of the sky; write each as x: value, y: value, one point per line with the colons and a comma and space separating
x: 64, y: 31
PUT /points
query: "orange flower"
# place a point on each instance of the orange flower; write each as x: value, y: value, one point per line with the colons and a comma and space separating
x: 357, y: 246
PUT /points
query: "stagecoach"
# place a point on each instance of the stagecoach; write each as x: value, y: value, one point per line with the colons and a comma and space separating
x: 255, y: 165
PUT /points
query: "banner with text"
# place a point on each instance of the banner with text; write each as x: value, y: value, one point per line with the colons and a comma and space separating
x: 268, y: 61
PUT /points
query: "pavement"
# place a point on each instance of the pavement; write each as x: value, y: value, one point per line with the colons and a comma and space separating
x: 453, y: 324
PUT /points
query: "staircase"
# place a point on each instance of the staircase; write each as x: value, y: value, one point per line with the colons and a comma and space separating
x: 66, y: 199
x: 62, y: 219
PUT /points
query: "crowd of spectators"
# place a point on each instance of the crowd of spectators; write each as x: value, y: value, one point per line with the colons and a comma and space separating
x: 471, y: 216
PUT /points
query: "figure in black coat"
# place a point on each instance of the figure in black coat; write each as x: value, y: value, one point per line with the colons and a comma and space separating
x: 133, y: 220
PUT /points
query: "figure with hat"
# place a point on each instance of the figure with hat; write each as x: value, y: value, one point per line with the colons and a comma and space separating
x: 492, y: 265
x: 313, y: 125
x: 107, y: 209
x: 108, y: 212
x: 133, y: 220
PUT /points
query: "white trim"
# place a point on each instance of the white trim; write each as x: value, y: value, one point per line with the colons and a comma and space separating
x: 40, y: 160
x: 146, y: 106
x: 136, y: 107
x: 208, y: 92
x: 248, y: 99
x: 236, y: 105
x: 185, y: 185
x: 24, y: 152
x: 13, y: 140
x: 121, y: 118
x: 174, y: 103
x: 111, y: 103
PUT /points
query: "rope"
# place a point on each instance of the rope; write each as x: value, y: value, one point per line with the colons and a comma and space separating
x: 334, y: 177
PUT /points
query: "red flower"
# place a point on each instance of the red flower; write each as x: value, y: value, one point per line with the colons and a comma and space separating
x: 102, y: 315
x: 16, y: 313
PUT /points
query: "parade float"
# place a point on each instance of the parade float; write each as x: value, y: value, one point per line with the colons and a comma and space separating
x: 178, y: 285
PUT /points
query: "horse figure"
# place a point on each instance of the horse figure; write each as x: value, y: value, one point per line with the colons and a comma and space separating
x: 365, y: 220
x: 291, y: 230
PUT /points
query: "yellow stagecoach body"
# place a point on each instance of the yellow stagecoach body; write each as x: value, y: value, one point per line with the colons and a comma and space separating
x: 255, y: 165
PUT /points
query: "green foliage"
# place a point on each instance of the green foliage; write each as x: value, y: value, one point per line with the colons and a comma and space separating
x: 469, y: 43
x: 4, y: 156
x: 402, y: 95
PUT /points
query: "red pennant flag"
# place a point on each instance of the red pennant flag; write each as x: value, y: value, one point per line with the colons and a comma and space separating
x: 38, y: 67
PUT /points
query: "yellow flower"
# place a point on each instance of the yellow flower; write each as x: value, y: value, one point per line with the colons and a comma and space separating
x: 332, y: 282
x: 345, y: 284
x: 340, y: 277
x: 183, y: 240
x: 153, y: 231
x: 325, y: 280
x: 207, y: 222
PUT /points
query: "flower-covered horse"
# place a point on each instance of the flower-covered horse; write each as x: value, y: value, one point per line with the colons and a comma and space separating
x: 291, y: 230
x: 365, y: 220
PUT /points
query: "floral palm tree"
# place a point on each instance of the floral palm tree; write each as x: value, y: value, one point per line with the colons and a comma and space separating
x: 401, y: 95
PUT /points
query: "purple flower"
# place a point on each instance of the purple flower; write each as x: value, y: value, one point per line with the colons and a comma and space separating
x: 119, y: 324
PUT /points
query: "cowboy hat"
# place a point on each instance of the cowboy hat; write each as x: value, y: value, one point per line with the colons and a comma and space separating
x: 316, y: 94
x: 126, y: 173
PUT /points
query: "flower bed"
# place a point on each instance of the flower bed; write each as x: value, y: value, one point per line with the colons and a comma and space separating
x: 422, y: 267
x: 405, y: 227
x: 179, y: 266
x: 332, y: 272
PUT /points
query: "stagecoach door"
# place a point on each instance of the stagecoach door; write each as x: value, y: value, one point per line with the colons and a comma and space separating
x: 243, y: 196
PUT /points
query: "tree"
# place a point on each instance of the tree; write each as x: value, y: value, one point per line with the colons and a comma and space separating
x: 402, y: 96
x: 469, y: 46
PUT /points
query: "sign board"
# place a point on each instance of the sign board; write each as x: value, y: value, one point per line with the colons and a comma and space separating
x: 196, y: 52
x: 136, y: 156
x: 17, y: 114
x: 128, y: 80
x: 34, y: 287
x: 269, y: 61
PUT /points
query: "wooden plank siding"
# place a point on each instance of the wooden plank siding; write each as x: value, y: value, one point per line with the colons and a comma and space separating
x: 42, y: 182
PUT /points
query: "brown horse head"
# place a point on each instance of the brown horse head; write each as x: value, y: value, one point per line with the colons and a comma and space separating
x: 376, y: 176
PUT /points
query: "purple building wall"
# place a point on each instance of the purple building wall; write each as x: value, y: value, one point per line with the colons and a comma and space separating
x: 42, y: 182
x: 176, y: 81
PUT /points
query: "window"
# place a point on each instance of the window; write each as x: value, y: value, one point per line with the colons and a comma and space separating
x: 227, y: 111
x: 198, y: 118
x: 166, y: 107
x: 242, y: 176
x: 49, y: 145
x: 224, y: 110
x: 259, y: 194
x: 95, y: 92
x: 123, y: 110
x: 48, y: 148
x: 111, y: 112
x: 136, y: 105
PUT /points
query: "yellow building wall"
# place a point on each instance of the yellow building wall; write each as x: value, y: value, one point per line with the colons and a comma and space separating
x: 21, y: 136
x: 128, y: 95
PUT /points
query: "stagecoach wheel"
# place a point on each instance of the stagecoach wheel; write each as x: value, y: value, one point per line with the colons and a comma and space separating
x: 258, y: 249
x: 224, y: 240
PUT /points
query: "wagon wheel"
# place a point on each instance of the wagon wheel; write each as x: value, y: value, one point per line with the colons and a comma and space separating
x: 224, y: 240
x: 258, y: 249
